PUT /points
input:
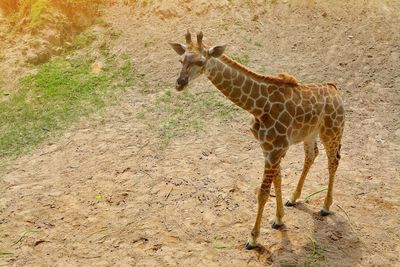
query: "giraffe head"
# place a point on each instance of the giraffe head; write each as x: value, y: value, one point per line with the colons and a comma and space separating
x: 194, y: 58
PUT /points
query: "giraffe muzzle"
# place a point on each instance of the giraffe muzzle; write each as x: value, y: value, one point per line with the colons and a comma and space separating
x: 181, y: 83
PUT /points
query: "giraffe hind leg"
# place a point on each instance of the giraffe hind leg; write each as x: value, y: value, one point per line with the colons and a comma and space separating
x: 332, y: 148
x: 311, y: 152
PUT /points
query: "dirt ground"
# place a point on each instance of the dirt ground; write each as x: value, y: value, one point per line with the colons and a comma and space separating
x: 105, y: 194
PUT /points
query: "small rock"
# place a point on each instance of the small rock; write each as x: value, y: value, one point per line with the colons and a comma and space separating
x: 30, y: 57
x: 38, y: 58
x: 333, y: 237
x: 97, y: 67
x: 57, y: 50
x: 336, y: 236
x: 52, y: 36
x: 206, y: 153
x: 38, y: 242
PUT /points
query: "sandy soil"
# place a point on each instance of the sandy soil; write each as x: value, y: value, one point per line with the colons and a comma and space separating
x: 104, y: 194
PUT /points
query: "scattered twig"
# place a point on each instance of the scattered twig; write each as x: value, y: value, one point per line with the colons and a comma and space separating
x: 307, y: 199
x: 169, y: 193
x: 315, y: 254
x: 24, y: 234
x: 186, y: 231
x: 220, y: 245
x: 88, y: 257
x: 105, y: 228
x: 146, y: 144
x: 56, y: 149
x: 148, y: 174
x: 4, y: 252
x: 169, y: 229
x: 348, y: 218
x: 314, y: 246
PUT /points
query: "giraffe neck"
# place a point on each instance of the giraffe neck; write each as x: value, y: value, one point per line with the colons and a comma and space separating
x: 240, y: 88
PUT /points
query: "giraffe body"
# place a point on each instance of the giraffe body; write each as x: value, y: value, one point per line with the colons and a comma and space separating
x: 285, y: 113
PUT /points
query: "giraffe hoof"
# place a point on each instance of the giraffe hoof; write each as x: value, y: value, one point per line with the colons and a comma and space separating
x: 276, y: 226
x: 324, y: 213
x: 290, y: 204
x: 248, y: 246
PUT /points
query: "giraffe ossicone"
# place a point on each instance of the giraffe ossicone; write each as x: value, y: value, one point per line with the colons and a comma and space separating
x: 285, y: 112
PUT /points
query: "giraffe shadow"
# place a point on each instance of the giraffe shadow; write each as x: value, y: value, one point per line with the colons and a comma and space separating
x: 329, y: 241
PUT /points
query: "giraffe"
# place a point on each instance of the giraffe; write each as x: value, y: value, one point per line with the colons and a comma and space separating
x: 284, y: 111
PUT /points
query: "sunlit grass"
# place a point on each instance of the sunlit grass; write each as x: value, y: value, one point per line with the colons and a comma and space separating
x: 83, y: 39
x: 33, y: 13
x: 36, y: 11
x: 180, y: 114
x: 242, y: 59
x: 60, y: 92
x: 316, y: 257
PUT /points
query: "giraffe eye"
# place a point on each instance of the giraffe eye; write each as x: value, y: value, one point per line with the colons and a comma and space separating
x: 181, y: 61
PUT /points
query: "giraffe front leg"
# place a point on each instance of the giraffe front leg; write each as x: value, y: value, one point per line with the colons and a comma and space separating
x: 279, y: 204
x: 263, y: 194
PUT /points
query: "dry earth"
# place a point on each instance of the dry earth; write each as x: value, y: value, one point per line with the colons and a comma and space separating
x: 105, y: 194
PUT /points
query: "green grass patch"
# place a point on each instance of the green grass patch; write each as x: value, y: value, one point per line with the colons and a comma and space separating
x: 26, y: 234
x: 32, y: 14
x: 36, y: 11
x: 316, y: 258
x: 242, y: 59
x: 6, y: 252
x: 83, y: 39
x: 59, y: 93
x: 177, y: 114
x: 308, y: 198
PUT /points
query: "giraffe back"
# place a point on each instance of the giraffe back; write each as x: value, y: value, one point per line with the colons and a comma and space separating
x: 318, y: 110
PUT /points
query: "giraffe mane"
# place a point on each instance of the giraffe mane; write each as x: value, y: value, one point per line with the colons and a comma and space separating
x: 282, y: 78
x: 332, y: 84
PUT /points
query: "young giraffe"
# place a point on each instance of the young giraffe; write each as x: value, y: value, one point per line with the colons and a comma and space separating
x: 285, y: 113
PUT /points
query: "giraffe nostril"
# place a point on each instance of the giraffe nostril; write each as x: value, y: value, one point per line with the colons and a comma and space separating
x: 180, y: 84
x: 182, y: 81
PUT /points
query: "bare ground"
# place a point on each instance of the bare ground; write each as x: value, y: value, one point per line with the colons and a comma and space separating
x: 105, y: 194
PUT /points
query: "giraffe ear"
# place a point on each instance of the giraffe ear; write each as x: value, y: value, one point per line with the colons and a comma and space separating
x: 216, y: 51
x: 179, y: 48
